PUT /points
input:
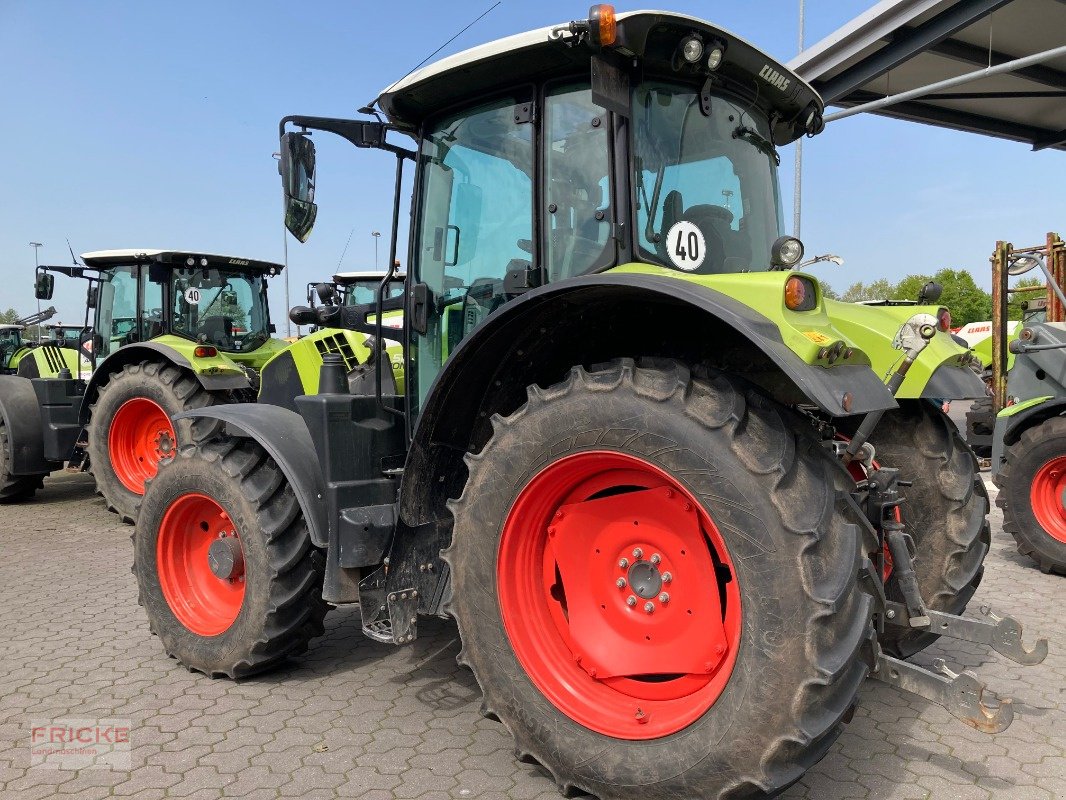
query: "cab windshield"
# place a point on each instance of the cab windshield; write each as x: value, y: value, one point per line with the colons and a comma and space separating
x: 706, y: 184
x: 364, y: 292
x: 221, y: 308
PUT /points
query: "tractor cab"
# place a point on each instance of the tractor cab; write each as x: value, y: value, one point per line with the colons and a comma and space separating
x: 648, y: 140
x: 141, y: 295
x: 10, y: 342
x: 361, y: 288
x: 62, y: 335
x: 212, y: 300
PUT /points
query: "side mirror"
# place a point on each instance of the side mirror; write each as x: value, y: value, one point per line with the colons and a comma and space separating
x: 44, y: 286
x: 930, y: 293
x: 92, y: 296
x: 297, y: 166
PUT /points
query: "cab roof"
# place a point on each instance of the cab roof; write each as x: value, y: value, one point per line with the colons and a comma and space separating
x: 7, y: 326
x: 343, y: 278
x: 650, y: 37
x: 115, y: 258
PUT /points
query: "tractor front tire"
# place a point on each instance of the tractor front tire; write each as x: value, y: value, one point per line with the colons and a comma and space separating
x: 131, y: 429
x: 655, y: 579
x: 1031, y: 484
x: 14, y: 488
x: 225, y: 566
x: 945, y: 511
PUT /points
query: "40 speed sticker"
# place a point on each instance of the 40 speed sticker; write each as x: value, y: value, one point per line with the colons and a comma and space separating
x: 686, y: 246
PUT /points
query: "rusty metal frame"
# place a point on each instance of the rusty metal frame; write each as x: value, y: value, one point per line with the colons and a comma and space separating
x: 1054, y: 251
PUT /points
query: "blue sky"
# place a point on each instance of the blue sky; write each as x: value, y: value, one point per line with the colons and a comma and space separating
x: 146, y: 124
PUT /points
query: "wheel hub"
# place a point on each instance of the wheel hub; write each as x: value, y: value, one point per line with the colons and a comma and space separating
x: 645, y: 580
x: 225, y: 558
x: 631, y: 625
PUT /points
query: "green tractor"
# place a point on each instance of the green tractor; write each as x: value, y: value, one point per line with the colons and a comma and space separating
x: 174, y: 331
x: 33, y: 359
x: 1029, y: 439
x: 655, y: 476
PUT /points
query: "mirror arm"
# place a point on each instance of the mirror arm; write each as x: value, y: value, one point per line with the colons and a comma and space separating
x: 348, y: 129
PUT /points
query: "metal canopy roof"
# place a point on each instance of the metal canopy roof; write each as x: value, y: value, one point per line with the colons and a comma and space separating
x: 901, y: 46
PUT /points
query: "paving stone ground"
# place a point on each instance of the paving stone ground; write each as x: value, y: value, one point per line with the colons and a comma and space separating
x: 357, y: 719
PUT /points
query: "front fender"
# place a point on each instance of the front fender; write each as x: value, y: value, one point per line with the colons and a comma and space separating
x: 537, y: 338
x: 1013, y: 420
x: 21, y: 413
x: 283, y: 434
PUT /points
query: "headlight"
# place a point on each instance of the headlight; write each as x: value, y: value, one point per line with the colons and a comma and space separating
x: 714, y: 58
x: 786, y: 252
x: 692, y: 49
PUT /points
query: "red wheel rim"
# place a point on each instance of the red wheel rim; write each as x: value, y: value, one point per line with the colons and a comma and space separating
x: 585, y: 535
x: 204, y: 591
x: 141, y: 436
x: 1046, y: 496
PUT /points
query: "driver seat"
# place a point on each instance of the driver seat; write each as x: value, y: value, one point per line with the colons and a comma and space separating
x: 217, y: 330
x: 713, y: 221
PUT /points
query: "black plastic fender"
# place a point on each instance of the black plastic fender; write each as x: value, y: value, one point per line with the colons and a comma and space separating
x: 538, y: 337
x: 283, y: 434
x: 144, y: 351
x: 25, y: 430
x: 954, y: 383
x: 1009, y: 429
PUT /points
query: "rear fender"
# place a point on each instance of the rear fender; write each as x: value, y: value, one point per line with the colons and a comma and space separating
x: 537, y: 338
x: 155, y: 351
x: 25, y: 430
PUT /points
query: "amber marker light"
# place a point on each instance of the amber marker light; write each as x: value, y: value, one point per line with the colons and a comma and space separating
x: 603, y: 30
x: 204, y: 351
x: 800, y: 294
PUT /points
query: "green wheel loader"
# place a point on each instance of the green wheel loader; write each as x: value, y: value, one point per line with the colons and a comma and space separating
x: 174, y: 331
x: 655, y: 476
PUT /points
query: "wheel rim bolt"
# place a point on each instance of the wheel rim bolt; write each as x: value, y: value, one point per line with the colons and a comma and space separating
x: 649, y: 607
x: 664, y: 598
x: 655, y: 558
x: 631, y: 601
x: 620, y: 583
x: 623, y: 563
x: 667, y: 577
x: 638, y: 553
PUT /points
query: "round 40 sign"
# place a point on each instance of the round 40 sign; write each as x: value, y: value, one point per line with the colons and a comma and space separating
x: 686, y: 246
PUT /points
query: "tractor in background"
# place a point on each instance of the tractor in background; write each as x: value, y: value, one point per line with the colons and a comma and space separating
x: 172, y: 331
x: 655, y: 476
x: 1029, y: 396
x: 32, y: 359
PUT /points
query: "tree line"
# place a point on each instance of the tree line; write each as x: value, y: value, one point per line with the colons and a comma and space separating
x: 967, y: 301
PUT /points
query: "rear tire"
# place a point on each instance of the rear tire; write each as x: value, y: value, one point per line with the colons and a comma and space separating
x: 255, y: 617
x: 14, y: 488
x: 131, y: 429
x: 774, y: 511
x: 1031, y: 484
x: 946, y: 512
